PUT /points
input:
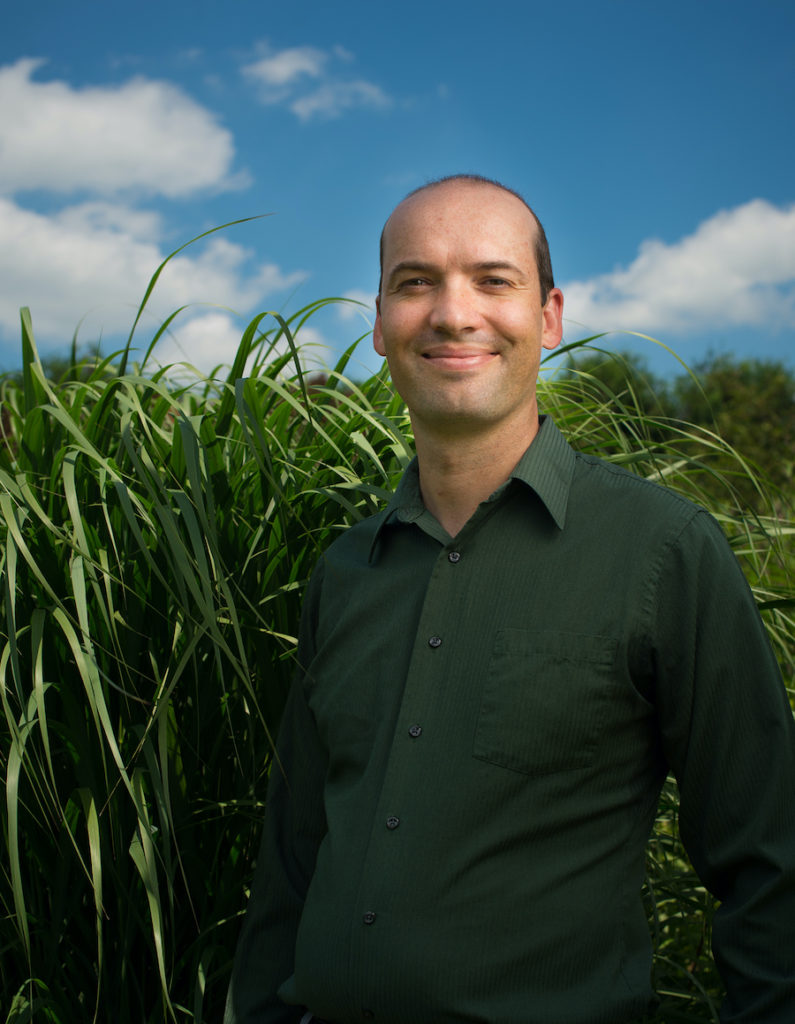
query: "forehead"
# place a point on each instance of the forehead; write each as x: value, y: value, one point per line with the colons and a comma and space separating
x: 470, y: 220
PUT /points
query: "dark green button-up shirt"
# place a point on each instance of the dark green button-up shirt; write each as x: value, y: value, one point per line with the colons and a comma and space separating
x: 473, y: 751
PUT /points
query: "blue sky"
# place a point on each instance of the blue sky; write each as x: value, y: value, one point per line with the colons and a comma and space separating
x: 655, y: 141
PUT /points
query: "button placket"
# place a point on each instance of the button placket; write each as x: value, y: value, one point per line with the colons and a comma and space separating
x: 419, y: 706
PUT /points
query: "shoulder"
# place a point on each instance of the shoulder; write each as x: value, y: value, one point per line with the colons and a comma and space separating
x: 353, y: 544
x: 615, y: 488
x: 586, y: 491
x: 632, y: 517
x: 339, y: 564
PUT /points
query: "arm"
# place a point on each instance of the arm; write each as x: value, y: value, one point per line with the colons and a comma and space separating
x: 294, y: 827
x: 728, y: 733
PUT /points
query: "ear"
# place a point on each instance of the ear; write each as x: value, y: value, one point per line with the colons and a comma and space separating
x: 378, y: 338
x: 552, y: 319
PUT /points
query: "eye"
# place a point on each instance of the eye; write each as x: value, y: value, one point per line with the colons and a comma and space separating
x: 496, y: 282
x: 413, y: 282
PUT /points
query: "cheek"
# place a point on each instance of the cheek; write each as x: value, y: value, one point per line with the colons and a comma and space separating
x: 396, y: 334
x: 522, y: 324
x: 525, y: 339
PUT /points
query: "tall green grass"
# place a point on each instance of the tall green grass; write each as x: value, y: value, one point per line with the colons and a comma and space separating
x: 154, y: 542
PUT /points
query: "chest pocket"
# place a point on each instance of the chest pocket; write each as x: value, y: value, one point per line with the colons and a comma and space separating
x: 545, y: 700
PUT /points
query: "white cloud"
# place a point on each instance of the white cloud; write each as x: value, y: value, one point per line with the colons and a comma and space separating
x: 286, y: 66
x: 331, y: 99
x: 102, y: 219
x: 299, y: 77
x: 350, y: 311
x: 141, y: 135
x: 737, y: 269
x: 59, y: 264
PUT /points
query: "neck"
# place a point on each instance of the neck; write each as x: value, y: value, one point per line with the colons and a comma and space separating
x: 458, y: 473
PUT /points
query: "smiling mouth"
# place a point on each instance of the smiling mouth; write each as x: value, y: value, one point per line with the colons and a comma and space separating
x: 459, y: 360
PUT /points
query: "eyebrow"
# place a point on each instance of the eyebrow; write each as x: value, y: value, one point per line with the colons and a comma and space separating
x: 423, y: 267
x: 404, y: 265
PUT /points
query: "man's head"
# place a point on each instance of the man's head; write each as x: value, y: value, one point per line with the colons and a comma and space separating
x: 540, y: 244
x: 461, y: 314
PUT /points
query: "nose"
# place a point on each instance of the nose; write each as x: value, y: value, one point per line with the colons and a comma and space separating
x: 454, y: 309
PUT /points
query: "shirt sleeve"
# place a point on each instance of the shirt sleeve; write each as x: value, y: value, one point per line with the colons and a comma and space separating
x: 294, y: 826
x: 727, y: 731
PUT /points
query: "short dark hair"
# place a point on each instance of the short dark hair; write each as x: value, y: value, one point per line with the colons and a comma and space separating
x: 543, y: 259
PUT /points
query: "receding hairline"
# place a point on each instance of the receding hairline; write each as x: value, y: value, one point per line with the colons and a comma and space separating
x: 539, y: 243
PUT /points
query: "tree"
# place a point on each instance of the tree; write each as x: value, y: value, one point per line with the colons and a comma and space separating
x: 750, y: 403
x: 741, y: 407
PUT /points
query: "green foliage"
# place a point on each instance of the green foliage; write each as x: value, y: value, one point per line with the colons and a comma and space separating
x: 155, y: 540
x: 748, y: 405
x: 751, y: 405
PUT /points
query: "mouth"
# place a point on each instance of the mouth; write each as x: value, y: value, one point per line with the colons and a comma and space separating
x: 455, y: 359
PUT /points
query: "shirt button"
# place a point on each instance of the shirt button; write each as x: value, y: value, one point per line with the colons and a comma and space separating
x: 435, y: 641
x: 415, y: 731
x: 454, y: 556
x: 369, y: 917
x: 392, y: 822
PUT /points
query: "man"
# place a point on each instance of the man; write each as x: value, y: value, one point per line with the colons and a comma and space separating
x: 496, y: 673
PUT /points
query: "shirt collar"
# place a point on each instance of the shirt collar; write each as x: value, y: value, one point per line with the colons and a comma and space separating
x: 547, y: 468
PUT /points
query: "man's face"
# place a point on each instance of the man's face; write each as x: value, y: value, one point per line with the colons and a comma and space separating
x: 459, y: 317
